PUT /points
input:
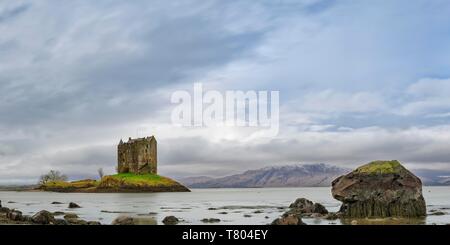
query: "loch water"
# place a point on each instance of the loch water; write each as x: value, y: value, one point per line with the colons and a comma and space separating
x: 247, y: 206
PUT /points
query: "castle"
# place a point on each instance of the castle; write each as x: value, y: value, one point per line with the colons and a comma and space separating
x: 138, y: 156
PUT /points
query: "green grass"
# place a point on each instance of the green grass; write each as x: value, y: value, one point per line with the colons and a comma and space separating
x: 380, y: 167
x: 138, y: 179
x: 71, y: 185
x: 127, y: 180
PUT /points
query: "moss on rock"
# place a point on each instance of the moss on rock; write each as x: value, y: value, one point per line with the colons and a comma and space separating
x: 381, y: 167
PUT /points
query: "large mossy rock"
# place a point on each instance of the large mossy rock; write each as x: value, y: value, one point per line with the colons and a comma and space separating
x: 380, y: 189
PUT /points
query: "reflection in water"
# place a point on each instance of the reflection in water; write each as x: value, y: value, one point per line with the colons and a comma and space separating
x: 386, y: 221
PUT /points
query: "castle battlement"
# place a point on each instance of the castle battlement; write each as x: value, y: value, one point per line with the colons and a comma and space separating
x: 138, y: 156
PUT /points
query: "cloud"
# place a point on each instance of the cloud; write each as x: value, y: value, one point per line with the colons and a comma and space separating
x: 429, y: 96
x: 415, y: 147
x: 11, y: 11
x: 76, y: 76
x: 329, y: 101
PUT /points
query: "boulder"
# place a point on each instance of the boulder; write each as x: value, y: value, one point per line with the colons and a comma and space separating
x: 306, y: 207
x: 75, y: 221
x: 380, y: 189
x: 4, y: 210
x: 319, y: 209
x: 170, y: 220
x: 289, y: 219
x: 211, y: 220
x: 43, y: 217
x: 61, y: 222
x: 129, y: 220
x: 74, y: 205
x: 14, y: 215
x: 70, y: 216
x: 302, y: 205
x: 123, y: 220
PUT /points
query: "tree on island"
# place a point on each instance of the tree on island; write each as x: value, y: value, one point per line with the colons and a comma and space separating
x: 52, y: 176
x: 100, y: 173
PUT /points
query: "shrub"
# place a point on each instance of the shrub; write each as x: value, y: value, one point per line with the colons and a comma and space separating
x: 52, y: 176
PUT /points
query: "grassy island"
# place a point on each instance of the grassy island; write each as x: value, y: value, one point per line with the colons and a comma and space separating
x: 125, y: 182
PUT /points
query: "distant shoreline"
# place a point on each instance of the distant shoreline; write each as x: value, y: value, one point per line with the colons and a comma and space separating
x: 34, y: 188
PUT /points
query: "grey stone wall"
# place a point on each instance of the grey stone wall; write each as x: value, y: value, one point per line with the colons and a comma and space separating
x: 138, y: 156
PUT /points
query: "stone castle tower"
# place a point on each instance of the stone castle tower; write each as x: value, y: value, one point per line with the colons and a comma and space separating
x: 138, y: 156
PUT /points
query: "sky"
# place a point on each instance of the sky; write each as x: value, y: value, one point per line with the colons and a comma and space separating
x: 358, y: 81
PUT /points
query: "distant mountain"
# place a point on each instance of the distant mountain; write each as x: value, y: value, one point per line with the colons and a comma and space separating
x: 307, y: 175
x: 189, y: 181
x: 17, y: 187
x: 432, y: 176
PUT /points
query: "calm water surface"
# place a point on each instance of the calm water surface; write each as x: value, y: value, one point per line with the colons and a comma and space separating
x: 232, y: 206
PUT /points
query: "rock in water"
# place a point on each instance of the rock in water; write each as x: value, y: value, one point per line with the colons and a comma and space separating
x: 71, y: 216
x: 15, y: 215
x: 210, y: 220
x: 300, y: 208
x: 380, y: 189
x: 289, y: 219
x: 74, y: 205
x: 61, y: 222
x: 129, y: 220
x: 123, y: 220
x: 170, y: 220
x: 320, y: 209
x: 43, y: 217
x: 305, y: 206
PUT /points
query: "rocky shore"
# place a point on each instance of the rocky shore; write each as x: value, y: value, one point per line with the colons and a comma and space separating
x: 304, y: 208
x: 43, y: 217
